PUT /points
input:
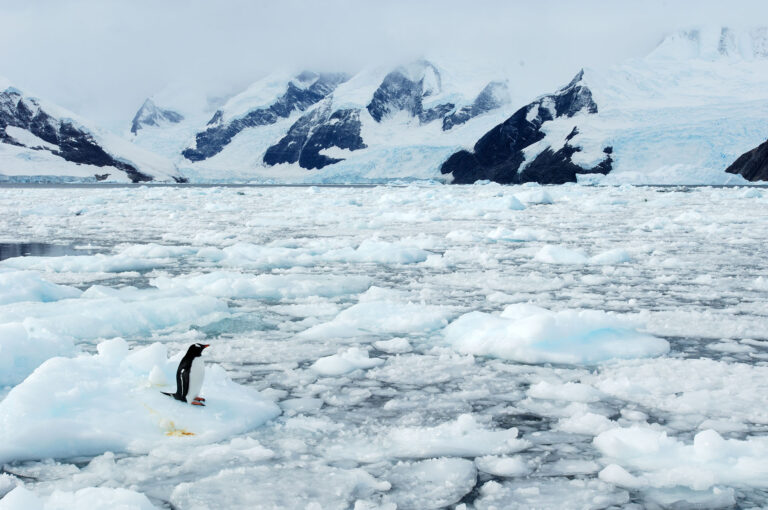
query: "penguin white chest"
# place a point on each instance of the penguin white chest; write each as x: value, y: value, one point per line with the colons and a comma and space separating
x: 196, y: 377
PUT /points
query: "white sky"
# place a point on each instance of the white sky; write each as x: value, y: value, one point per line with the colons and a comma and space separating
x: 101, y: 58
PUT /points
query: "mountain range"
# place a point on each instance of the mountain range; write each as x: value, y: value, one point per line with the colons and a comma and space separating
x: 683, y: 114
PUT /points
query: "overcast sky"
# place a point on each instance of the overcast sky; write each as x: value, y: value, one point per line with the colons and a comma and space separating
x: 101, y: 58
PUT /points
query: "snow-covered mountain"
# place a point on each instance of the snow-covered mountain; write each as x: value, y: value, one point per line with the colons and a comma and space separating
x: 39, y: 140
x: 380, y: 124
x: 680, y: 115
x: 151, y: 115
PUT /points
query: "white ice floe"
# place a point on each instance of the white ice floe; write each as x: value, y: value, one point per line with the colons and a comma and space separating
x: 381, y: 317
x: 532, y: 334
x: 503, y: 466
x: 21, y: 286
x: 299, y: 485
x: 463, y: 437
x: 265, y: 286
x: 535, y: 197
x: 690, y: 390
x: 345, y: 361
x: 103, y: 312
x: 520, y: 234
x: 21, y: 351
x: 92, y: 498
x: 433, y: 483
x: 553, y: 254
x: 276, y: 256
x: 524, y: 494
x: 106, y: 402
x: 394, y: 346
x: 643, y: 457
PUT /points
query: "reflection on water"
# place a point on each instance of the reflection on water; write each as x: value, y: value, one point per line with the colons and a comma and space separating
x: 10, y: 250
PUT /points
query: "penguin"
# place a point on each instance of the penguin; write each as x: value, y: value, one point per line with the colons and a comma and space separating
x: 190, y: 375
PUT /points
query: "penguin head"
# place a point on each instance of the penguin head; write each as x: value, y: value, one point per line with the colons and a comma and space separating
x: 197, y: 349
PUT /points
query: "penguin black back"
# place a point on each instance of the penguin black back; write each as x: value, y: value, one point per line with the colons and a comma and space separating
x: 184, y: 370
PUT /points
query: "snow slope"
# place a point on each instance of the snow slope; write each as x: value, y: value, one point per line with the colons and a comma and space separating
x: 680, y: 115
x: 380, y: 124
x: 39, y: 140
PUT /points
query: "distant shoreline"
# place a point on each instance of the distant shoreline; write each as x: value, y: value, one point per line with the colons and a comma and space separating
x: 59, y: 185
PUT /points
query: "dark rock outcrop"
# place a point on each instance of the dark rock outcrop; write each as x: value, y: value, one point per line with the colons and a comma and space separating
x: 405, y: 89
x: 752, y: 165
x: 152, y: 115
x: 493, y: 96
x: 315, y: 131
x: 301, y: 93
x: 498, y: 155
x: 72, y: 143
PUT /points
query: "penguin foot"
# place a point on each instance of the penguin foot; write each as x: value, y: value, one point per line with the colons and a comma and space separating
x: 199, y: 399
x: 197, y: 403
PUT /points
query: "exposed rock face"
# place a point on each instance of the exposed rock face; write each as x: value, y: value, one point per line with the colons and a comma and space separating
x: 752, y: 165
x: 301, y: 93
x: 493, y: 96
x: 498, y: 155
x: 152, y: 115
x: 404, y: 90
x: 70, y: 142
x: 315, y: 131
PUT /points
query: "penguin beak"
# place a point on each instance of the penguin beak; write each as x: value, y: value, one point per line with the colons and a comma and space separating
x: 206, y: 345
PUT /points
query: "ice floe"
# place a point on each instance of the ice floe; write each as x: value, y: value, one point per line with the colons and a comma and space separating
x: 532, y: 334
x: 346, y: 360
x: 660, y: 461
x: 105, y: 402
x: 93, y: 498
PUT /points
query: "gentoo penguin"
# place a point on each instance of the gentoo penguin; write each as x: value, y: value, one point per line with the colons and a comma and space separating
x: 190, y: 375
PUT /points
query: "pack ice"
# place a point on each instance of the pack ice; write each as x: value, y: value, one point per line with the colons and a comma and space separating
x: 417, y: 346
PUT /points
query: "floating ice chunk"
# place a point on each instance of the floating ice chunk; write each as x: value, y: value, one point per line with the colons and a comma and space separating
x: 464, y: 437
x: 302, y: 405
x: 525, y: 494
x: 552, y: 254
x: 104, y: 402
x: 394, y: 346
x: 98, y: 263
x: 19, y: 286
x: 610, y: 257
x: 665, y: 462
x: 535, y: 197
x: 503, y: 466
x: 21, y: 352
x: 275, y: 256
x: 573, y: 392
x: 520, y: 234
x: 265, y: 286
x: 381, y: 317
x: 307, y: 486
x: 586, y: 423
x: 345, y: 361
x: 535, y: 335
x: 103, y: 312
x: 434, y: 483
x: 92, y: 498
x: 157, y: 251
x: 737, y: 392
x: 751, y: 193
